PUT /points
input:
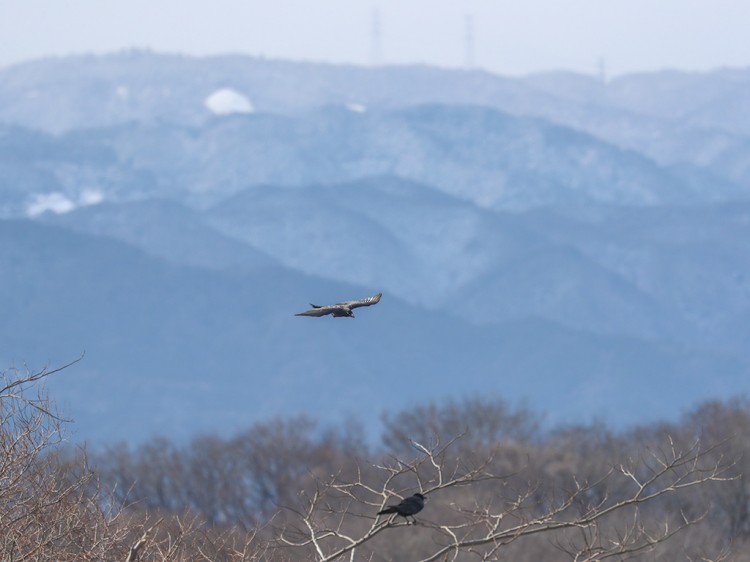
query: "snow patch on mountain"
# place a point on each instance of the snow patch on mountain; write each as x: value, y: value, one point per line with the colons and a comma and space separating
x: 55, y: 202
x: 227, y: 101
x: 90, y: 197
x: 355, y: 107
x: 59, y: 203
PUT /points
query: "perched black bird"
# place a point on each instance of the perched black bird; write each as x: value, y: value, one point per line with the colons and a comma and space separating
x: 407, y: 507
x: 342, y: 309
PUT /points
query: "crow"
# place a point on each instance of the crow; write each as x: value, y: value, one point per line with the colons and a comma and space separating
x: 406, y: 508
x: 342, y: 309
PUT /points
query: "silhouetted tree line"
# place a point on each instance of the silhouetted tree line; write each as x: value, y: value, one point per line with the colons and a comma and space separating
x: 498, y: 486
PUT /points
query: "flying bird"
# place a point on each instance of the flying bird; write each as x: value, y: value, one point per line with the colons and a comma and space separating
x: 342, y: 309
x: 407, y: 507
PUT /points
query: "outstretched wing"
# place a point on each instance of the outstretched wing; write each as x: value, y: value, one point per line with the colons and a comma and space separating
x: 317, y: 311
x: 362, y: 302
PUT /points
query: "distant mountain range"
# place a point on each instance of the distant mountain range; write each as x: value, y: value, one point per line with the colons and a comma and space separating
x: 575, y: 245
x: 696, y: 119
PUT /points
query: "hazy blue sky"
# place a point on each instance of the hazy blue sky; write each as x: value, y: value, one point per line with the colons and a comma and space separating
x: 510, y: 36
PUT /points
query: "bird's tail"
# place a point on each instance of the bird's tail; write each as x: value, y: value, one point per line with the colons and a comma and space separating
x: 387, y: 510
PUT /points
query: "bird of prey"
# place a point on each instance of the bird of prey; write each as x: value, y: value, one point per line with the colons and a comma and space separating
x: 342, y: 309
x: 407, y: 507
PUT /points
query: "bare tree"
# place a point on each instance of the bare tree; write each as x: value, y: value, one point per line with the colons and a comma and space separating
x: 503, y: 490
x: 482, y: 422
x: 238, y: 480
x: 53, y: 507
x: 728, y: 423
x: 474, y: 512
x: 37, y: 510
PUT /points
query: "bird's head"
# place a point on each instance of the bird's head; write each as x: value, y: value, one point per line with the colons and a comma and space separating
x: 420, y: 496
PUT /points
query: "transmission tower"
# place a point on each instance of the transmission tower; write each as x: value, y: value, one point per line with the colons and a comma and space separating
x: 376, y: 38
x: 469, y: 59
